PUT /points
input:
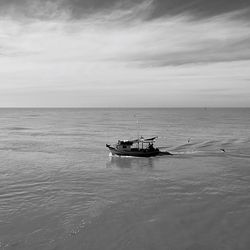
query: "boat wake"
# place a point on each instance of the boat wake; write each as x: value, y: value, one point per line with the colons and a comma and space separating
x: 164, y: 153
x: 230, y: 147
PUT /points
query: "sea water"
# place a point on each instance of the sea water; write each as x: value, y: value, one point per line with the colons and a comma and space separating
x: 60, y: 189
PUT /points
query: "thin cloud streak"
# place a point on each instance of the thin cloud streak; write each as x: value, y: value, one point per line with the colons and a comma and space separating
x: 78, y: 9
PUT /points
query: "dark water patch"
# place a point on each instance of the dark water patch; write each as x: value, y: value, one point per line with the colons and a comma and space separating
x: 35, y: 115
x: 58, y: 134
x: 28, y: 150
x: 247, y: 156
x: 12, y: 195
x: 17, y: 128
x: 28, y: 146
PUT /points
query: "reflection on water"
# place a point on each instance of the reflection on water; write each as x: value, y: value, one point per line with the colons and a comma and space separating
x: 130, y: 162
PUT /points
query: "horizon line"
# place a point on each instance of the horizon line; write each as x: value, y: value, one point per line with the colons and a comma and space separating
x: 108, y: 107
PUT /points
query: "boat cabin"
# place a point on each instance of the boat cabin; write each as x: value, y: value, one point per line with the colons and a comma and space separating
x: 135, y: 145
x: 124, y: 145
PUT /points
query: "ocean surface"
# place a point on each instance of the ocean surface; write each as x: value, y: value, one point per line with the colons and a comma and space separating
x: 60, y: 189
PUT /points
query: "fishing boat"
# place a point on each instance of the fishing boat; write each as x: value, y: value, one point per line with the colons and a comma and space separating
x: 139, y: 147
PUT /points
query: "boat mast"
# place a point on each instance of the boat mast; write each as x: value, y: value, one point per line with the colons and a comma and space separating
x: 138, y: 132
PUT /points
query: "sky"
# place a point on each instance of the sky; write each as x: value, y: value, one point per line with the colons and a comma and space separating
x: 111, y: 53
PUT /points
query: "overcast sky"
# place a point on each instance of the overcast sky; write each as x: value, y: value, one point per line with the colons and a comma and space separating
x: 111, y: 53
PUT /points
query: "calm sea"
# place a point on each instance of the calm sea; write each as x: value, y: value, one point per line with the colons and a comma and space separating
x: 60, y: 189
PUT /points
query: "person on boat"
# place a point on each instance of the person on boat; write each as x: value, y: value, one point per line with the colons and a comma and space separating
x: 150, y: 147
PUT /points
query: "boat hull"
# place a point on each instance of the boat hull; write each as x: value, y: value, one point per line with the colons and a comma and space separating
x: 139, y: 153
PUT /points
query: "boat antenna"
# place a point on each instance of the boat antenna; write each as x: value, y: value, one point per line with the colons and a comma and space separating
x: 138, y: 135
x: 137, y: 128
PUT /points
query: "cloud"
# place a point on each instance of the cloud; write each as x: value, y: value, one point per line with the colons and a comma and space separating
x: 199, y: 9
x: 126, y: 37
x: 78, y: 9
x: 179, y: 40
x: 56, y: 49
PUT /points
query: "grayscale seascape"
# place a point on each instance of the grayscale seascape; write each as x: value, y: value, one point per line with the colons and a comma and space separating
x: 60, y: 189
x: 124, y: 125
